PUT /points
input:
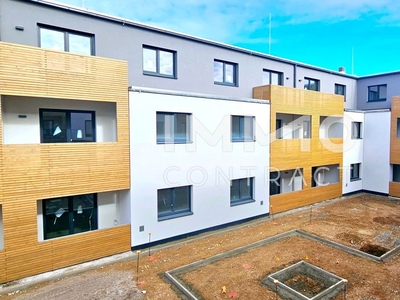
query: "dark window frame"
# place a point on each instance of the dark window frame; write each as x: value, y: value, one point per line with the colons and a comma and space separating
x: 69, y: 138
x: 93, y: 220
x: 188, y: 138
x: 158, y: 62
x: 309, y: 84
x: 67, y: 32
x: 374, y: 96
x: 243, y: 200
x: 235, y: 78
x: 355, y: 170
x: 339, y: 86
x: 172, y: 214
x: 271, y: 72
x: 241, y: 134
x: 356, y: 128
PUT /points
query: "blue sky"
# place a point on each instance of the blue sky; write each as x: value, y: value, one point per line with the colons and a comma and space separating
x: 324, y: 33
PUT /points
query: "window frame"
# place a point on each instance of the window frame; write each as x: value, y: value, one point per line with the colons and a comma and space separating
x: 355, y: 171
x: 68, y: 113
x: 172, y: 214
x: 337, y: 86
x: 242, y: 137
x: 93, y: 222
x: 370, y: 93
x: 356, y: 128
x: 176, y: 140
x: 271, y: 72
x: 158, y: 62
x: 309, y: 79
x: 66, y: 33
x: 235, y: 77
x: 242, y: 200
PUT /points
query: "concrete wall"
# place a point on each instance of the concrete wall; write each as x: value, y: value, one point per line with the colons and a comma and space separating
x: 194, y: 59
x: 393, y: 89
x: 208, y: 163
x: 27, y: 130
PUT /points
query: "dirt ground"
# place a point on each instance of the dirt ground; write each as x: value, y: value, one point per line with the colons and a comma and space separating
x: 358, y: 221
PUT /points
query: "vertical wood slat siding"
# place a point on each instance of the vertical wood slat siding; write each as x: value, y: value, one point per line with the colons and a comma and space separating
x: 287, y: 154
x: 394, y: 187
x: 39, y: 171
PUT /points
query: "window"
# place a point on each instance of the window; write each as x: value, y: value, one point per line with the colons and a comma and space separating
x: 225, y: 73
x: 64, y: 126
x: 274, y: 183
x: 66, y: 40
x: 340, y: 90
x: 311, y: 84
x: 272, y: 77
x: 174, y: 202
x: 159, y: 62
x: 398, y: 128
x: 377, y: 92
x: 242, y: 128
x: 355, y: 171
x: 324, y: 175
x: 69, y: 215
x: 356, y: 130
x: 396, y: 173
x: 242, y: 191
x: 173, y: 128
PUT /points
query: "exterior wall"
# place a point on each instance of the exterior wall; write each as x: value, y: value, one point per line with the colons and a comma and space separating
x: 353, y: 151
x: 393, y: 89
x: 377, y: 172
x: 32, y: 171
x: 303, y: 153
x: 208, y: 164
x: 194, y: 56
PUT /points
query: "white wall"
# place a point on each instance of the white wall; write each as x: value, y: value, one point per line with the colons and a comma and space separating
x: 1, y: 229
x: 353, y: 151
x: 27, y: 130
x: 377, y: 171
x: 331, y: 127
x: 291, y: 180
x: 208, y: 164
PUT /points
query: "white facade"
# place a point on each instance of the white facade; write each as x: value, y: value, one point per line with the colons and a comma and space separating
x: 208, y: 163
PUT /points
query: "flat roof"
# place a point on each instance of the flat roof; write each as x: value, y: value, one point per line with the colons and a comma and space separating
x: 139, y: 89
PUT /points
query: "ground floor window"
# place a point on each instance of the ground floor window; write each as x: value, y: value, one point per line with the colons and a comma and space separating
x: 69, y: 215
x: 242, y: 191
x: 355, y: 171
x: 324, y: 175
x: 174, y: 202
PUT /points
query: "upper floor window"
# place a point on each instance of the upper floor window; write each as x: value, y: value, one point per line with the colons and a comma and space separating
x: 242, y: 128
x: 173, y: 128
x: 272, y: 77
x: 340, y: 89
x: 377, y: 92
x: 311, y: 84
x: 242, y: 191
x: 69, y: 215
x: 66, y: 40
x: 64, y: 126
x: 356, y: 130
x: 225, y: 73
x: 174, y: 202
x: 159, y: 62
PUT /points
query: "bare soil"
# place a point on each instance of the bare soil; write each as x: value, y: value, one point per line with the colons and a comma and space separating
x: 355, y: 222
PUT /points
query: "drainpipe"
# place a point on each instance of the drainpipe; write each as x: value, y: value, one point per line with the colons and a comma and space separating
x: 294, y: 75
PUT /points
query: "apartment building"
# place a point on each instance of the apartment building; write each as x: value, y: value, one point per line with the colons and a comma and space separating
x: 116, y: 134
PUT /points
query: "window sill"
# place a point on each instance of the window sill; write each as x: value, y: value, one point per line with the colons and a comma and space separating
x: 355, y: 179
x: 226, y: 84
x: 174, y: 216
x: 175, y: 142
x: 236, y: 203
x: 159, y: 75
x: 379, y: 100
x: 242, y: 141
x: 356, y: 138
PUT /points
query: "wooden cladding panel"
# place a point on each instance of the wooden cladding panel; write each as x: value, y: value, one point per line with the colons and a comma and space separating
x: 304, y: 197
x: 394, y: 189
x: 63, y: 252
x: 394, y: 141
x: 52, y: 170
x: 31, y: 71
x: 288, y: 154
